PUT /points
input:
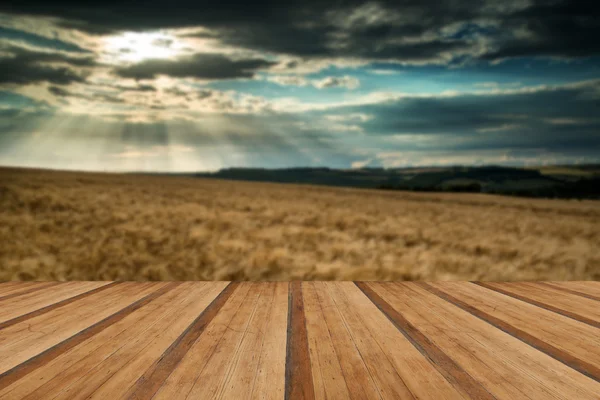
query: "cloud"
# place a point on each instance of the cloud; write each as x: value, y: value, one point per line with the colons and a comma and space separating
x: 353, y: 117
x: 23, y: 66
x: 209, y: 66
x: 551, y: 117
x: 19, y: 36
x: 212, y: 63
x: 288, y: 80
x: 94, y: 97
x: 565, y: 29
x: 554, y: 123
x: 504, y: 127
x: 361, y: 164
x: 412, y: 31
x: 383, y: 71
x: 346, y: 82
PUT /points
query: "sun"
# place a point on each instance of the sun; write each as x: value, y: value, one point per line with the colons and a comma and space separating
x: 140, y: 46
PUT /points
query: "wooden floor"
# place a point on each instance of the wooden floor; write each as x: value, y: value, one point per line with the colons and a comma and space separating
x: 299, y: 340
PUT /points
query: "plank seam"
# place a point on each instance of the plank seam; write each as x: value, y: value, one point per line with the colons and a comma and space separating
x: 108, y: 356
x: 147, y: 385
x: 54, y: 306
x: 31, y: 290
x: 298, y: 372
x: 567, y: 290
x: 540, y: 304
x: 448, y: 368
x: 214, y: 349
x: 562, y: 356
x: 35, y: 362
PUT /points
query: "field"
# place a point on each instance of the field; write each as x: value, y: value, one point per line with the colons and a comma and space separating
x: 83, y: 226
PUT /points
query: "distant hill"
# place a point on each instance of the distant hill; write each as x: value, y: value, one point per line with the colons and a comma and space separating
x: 553, y: 182
x: 366, y: 178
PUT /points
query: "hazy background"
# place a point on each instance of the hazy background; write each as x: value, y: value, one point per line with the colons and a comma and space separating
x: 75, y: 226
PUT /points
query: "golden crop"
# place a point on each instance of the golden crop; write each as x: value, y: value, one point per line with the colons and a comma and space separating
x: 83, y: 226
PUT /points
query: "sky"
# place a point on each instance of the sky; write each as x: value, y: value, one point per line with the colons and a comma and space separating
x: 195, y: 85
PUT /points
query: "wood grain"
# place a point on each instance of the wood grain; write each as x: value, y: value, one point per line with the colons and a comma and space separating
x: 299, y: 340
x: 23, y: 290
x: 149, y: 383
x: 49, y: 354
x: 567, y: 289
x: 557, y: 353
x: 590, y: 288
x: 582, y: 310
x: 53, y: 306
x: 458, y: 377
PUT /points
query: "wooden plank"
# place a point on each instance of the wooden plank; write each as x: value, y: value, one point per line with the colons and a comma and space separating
x: 230, y: 360
x: 568, y: 341
x: 387, y: 380
x: 154, y: 377
x: 211, y: 381
x: 24, y: 290
x: 78, y: 361
x: 46, y: 347
x: 582, y: 310
x: 333, y: 376
x: 181, y: 381
x: 269, y: 381
x: 117, y: 373
x: 298, y: 375
x: 586, y: 308
x: 7, y: 284
x: 576, y: 288
x: 33, y: 336
x: 21, y: 312
x: 491, y: 356
x: 254, y: 348
x: 447, y: 340
x: 454, y: 373
x: 10, y: 287
x: 416, y: 371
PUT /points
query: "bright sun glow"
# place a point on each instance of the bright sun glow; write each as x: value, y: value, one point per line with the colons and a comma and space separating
x: 136, y: 47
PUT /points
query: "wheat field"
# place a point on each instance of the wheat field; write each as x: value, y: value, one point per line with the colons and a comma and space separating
x: 89, y: 226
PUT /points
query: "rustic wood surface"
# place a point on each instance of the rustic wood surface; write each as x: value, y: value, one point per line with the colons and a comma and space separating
x: 299, y: 340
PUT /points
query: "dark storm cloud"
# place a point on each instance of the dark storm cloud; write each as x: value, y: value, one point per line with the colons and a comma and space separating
x: 58, y: 91
x: 13, y: 71
x: 138, y: 88
x: 22, y: 66
x: 61, y: 92
x: 556, y: 118
x: 39, y: 41
x: 201, y: 66
x: 27, y: 56
x: 562, y: 29
x: 408, y: 30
